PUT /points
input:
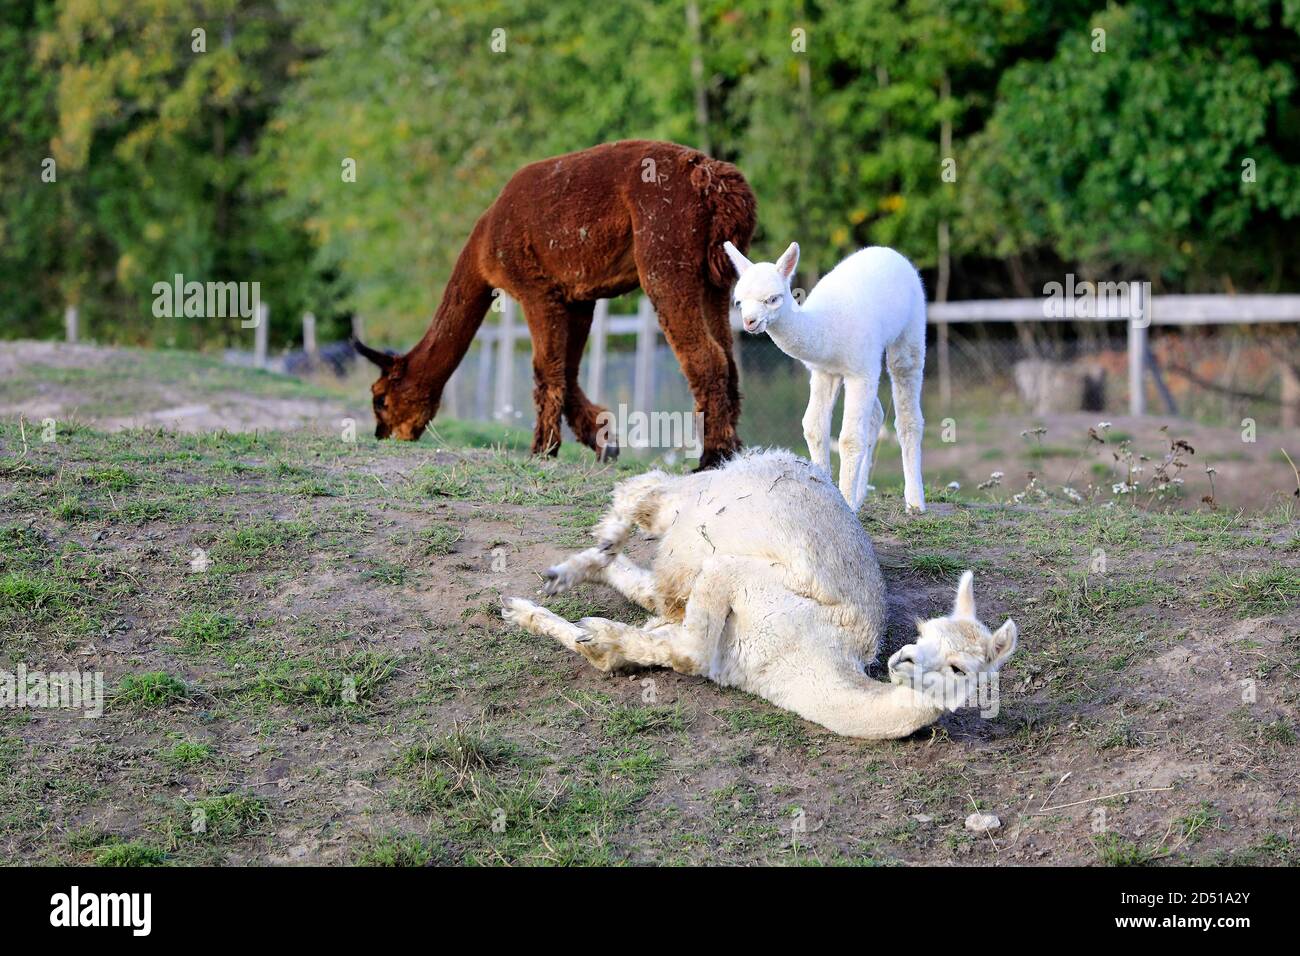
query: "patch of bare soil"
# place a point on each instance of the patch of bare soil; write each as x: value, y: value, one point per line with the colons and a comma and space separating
x: 205, y: 398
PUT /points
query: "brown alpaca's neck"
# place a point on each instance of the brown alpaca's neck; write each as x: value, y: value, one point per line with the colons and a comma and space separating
x: 460, y: 313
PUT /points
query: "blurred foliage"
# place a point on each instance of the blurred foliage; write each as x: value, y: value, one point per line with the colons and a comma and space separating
x: 227, y: 163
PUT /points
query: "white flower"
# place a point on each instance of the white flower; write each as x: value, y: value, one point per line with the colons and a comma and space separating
x: 1072, y: 494
x: 1121, y: 488
x: 997, y: 475
x: 954, y: 486
x: 1103, y: 425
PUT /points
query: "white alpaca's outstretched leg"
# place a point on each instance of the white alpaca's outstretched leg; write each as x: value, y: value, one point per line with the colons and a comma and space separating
x: 690, y: 647
x: 857, y: 438
x: 906, y: 361
x: 635, y: 503
x: 533, y: 617
x: 823, y: 389
x: 629, y: 579
x: 595, y: 638
x: 614, y: 645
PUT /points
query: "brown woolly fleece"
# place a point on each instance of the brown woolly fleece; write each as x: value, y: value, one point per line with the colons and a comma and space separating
x: 570, y: 230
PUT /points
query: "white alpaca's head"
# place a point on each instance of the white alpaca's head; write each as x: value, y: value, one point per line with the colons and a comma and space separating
x: 950, y: 652
x: 763, y: 288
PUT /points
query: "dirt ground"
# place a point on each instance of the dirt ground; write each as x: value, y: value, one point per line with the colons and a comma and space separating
x: 304, y: 664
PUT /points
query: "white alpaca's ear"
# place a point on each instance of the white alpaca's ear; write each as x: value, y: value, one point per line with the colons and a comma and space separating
x: 964, y: 606
x: 789, y: 259
x: 1002, y: 643
x: 737, y: 258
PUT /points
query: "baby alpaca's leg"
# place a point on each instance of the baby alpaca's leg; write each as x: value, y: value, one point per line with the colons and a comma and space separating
x: 906, y: 360
x: 869, y: 459
x: 823, y: 389
x: 857, y: 438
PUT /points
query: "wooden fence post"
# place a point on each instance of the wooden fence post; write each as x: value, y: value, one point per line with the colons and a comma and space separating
x: 450, y: 396
x: 70, y: 316
x: 503, y: 405
x: 1137, y: 353
x: 309, y: 334
x: 599, y: 344
x: 259, y: 334
x: 647, y: 334
x: 483, y: 381
x: 941, y: 284
x: 945, y: 366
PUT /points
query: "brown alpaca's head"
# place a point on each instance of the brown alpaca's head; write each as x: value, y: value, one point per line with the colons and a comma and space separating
x: 402, y: 407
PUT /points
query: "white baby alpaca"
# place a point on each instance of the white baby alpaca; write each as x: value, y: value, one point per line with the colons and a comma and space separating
x: 871, y: 304
x: 764, y: 580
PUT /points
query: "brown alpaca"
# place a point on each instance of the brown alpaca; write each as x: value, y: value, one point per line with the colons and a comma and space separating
x: 568, y: 231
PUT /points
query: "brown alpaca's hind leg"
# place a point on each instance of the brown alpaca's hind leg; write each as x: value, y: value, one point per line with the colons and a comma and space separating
x: 704, y: 363
x: 678, y: 292
x: 717, y: 311
x: 582, y: 414
x: 548, y: 323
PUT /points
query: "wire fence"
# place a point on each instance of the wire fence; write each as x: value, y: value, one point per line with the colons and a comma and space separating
x: 1214, y: 375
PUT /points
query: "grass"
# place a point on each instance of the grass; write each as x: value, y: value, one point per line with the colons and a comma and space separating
x: 225, y: 817
x: 396, y: 850
x: 491, y: 798
x: 630, y: 720
x: 129, y: 854
x: 349, y: 682
x: 768, y: 724
x: 440, y: 540
x: 205, y: 628
x: 38, y: 597
x: 1255, y: 592
x: 187, y: 753
x: 1114, y: 850
x: 150, y: 689
x: 938, y: 565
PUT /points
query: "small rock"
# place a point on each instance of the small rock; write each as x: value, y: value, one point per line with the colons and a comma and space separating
x: 982, y: 822
x: 922, y: 818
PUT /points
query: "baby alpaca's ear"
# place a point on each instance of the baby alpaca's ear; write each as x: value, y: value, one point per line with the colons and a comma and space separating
x: 789, y: 259
x: 737, y: 258
x: 1002, y: 643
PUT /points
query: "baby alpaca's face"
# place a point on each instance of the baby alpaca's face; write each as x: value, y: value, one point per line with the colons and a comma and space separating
x: 763, y: 288
x: 760, y: 296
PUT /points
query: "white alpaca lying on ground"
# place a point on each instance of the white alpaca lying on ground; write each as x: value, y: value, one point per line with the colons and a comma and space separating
x: 765, y: 580
x: 871, y: 304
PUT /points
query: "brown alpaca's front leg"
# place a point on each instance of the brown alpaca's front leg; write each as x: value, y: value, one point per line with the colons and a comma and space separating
x: 583, y: 415
x: 549, y: 326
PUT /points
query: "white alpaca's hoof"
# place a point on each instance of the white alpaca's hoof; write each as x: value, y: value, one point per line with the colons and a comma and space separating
x: 555, y: 582
x: 916, y: 507
x: 561, y: 577
x: 519, y: 611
